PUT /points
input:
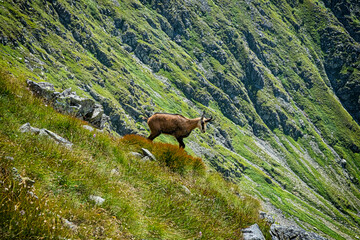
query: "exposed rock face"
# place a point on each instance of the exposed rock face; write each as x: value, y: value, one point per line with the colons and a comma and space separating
x: 177, y: 19
x: 289, y: 232
x: 347, y: 12
x: 342, y: 58
x: 148, y: 56
x: 80, y: 33
x: 70, y: 103
x: 130, y: 39
x: 214, y: 50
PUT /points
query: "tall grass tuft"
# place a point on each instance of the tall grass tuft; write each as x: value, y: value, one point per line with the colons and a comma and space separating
x: 170, y: 155
x: 23, y: 215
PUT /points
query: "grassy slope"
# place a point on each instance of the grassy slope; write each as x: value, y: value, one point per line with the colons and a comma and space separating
x: 305, y: 184
x: 142, y: 200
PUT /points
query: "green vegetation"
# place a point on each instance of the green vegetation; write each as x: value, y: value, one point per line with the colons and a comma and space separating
x: 280, y: 78
x: 143, y: 199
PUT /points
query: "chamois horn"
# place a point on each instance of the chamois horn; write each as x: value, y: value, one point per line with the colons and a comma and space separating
x: 209, y: 120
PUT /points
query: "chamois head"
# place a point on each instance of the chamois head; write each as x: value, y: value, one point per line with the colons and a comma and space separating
x: 203, y: 121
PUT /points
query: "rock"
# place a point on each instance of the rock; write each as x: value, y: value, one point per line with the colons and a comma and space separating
x: 9, y: 158
x: 115, y: 172
x: 98, y: 200
x: 87, y: 127
x: 145, y: 159
x: 292, y: 232
x: 27, y: 128
x: 136, y: 154
x: 69, y: 224
x: 143, y: 52
x: 343, y: 163
x: 15, y: 174
x: 253, y: 233
x: 129, y: 38
x: 149, y: 154
x: 28, y: 182
x: 43, y: 89
x: 215, y: 51
x: 69, y: 102
x: 121, y: 24
x: 268, y: 218
x: 166, y: 27
x: 58, y: 139
x: 44, y: 132
x: 222, y: 138
x: 98, y: 118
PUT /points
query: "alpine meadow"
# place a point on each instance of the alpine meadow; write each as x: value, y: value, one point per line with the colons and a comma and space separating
x: 275, y: 84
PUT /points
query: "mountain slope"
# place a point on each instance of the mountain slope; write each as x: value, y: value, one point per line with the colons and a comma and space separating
x: 281, y: 79
x: 101, y: 186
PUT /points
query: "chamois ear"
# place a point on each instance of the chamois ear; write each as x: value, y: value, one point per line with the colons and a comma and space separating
x: 209, y: 119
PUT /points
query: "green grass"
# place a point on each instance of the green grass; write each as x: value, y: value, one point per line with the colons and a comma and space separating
x: 142, y: 199
x: 284, y: 63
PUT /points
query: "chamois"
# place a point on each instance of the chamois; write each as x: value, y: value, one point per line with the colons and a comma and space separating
x: 176, y: 125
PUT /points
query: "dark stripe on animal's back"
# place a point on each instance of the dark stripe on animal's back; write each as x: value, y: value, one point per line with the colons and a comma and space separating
x: 174, y: 114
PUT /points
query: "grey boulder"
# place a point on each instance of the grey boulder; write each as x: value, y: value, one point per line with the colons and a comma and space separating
x: 253, y: 233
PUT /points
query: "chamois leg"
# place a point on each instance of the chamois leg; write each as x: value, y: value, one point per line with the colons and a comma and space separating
x: 181, y: 142
x: 153, y: 135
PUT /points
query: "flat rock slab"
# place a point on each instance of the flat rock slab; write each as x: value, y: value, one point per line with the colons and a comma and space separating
x: 44, y: 132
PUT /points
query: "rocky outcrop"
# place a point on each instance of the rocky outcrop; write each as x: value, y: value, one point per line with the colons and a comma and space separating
x: 80, y: 33
x: 148, y: 55
x: 129, y: 38
x: 348, y: 13
x: 69, y: 102
x: 341, y: 65
x: 215, y: 51
x: 177, y: 18
x: 290, y: 232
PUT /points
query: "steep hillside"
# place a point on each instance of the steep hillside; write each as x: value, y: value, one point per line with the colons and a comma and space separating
x: 100, y: 187
x: 281, y: 78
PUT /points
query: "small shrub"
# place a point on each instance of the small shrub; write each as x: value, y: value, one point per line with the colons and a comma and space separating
x: 170, y: 155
